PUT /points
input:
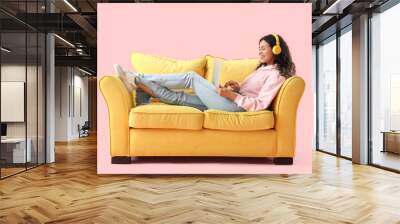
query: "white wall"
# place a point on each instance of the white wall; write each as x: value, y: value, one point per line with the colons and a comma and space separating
x: 81, y: 81
x: 71, y: 93
x: 15, y: 72
x: 62, y: 81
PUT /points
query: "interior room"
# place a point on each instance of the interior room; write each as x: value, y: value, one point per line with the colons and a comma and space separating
x: 49, y: 152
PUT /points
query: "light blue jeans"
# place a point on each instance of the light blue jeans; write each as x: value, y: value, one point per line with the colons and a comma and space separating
x: 206, y: 94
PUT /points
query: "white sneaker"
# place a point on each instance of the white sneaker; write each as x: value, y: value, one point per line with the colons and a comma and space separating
x: 128, y: 78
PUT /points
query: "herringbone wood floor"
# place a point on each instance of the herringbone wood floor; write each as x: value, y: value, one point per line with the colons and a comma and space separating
x: 70, y: 191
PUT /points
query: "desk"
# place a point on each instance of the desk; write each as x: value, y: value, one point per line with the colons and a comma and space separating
x: 13, y: 150
x: 391, y: 141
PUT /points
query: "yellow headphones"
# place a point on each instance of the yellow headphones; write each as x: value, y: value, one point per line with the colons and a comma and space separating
x: 277, y: 48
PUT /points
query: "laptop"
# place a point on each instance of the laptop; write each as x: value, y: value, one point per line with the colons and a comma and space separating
x: 216, y: 72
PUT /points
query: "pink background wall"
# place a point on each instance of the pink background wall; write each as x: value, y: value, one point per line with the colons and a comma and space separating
x: 191, y: 30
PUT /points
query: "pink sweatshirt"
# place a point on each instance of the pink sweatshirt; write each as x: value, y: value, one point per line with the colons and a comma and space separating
x: 259, y: 88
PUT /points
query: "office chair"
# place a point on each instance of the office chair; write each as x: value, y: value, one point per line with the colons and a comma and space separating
x: 84, y: 130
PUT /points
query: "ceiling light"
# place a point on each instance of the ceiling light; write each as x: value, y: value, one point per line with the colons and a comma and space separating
x: 65, y: 41
x: 5, y: 49
x: 84, y: 71
x: 70, y: 5
x: 338, y: 6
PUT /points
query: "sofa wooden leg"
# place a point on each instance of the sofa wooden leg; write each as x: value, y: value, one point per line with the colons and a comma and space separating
x: 283, y: 161
x: 121, y: 160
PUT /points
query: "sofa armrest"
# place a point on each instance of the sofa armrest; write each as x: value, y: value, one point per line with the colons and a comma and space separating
x: 285, y: 107
x: 119, y: 103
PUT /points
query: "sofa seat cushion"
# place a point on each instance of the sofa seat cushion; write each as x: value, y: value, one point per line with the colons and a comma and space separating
x: 160, y: 115
x: 238, y: 121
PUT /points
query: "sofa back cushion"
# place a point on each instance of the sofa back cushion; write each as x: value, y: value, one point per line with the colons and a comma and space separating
x: 235, y: 69
x: 152, y: 64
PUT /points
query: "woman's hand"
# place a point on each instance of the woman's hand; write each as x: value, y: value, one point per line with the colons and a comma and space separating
x: 226, y: 92
x: 234, y: 85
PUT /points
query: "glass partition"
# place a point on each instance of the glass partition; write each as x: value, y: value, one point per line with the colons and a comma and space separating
x: 13, y: 99
x: 41, y: 111
x: 327, y: 95
x: 31, y: 97
x: 22, y: 77
x: 346, y: 92
x: 385, y: 89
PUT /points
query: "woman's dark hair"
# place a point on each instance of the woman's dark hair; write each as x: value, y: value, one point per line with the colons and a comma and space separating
x: 284, y: 61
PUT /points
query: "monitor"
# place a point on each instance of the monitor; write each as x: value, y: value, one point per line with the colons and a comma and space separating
x: 3, y: 129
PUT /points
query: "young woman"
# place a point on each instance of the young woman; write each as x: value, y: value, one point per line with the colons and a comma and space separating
x: 255, y: 93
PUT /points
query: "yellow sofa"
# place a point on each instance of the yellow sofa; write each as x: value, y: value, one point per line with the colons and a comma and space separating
x: 158, y: 129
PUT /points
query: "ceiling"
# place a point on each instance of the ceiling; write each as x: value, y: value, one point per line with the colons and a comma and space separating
x: 76, y: 22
